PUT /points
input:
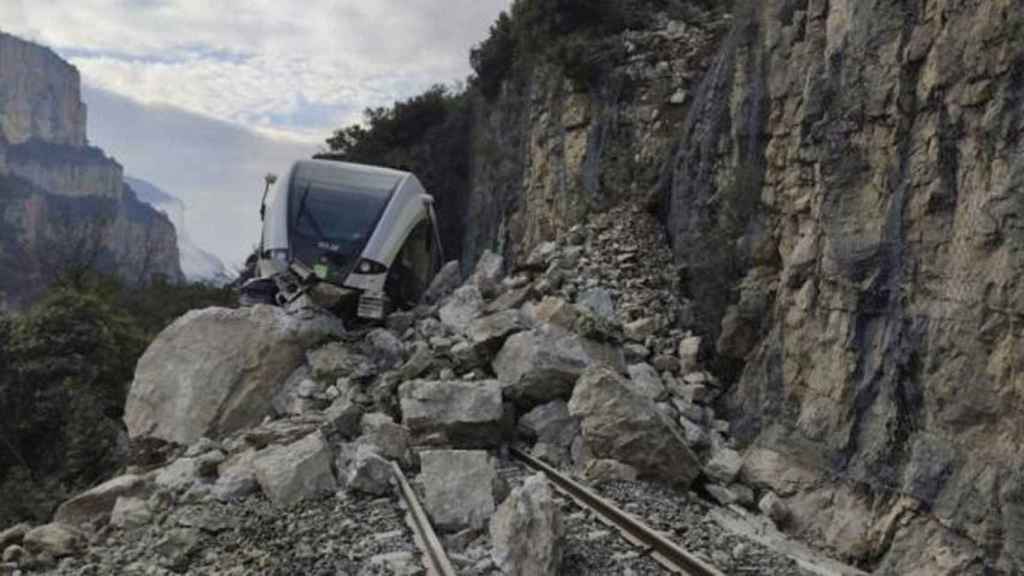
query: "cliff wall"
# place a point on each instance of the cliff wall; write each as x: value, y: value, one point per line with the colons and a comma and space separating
x: 842, y: 184
x: 62, y: 202
x: 39, y: 95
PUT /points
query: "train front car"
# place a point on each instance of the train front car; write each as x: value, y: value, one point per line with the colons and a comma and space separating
x: 363, y: 237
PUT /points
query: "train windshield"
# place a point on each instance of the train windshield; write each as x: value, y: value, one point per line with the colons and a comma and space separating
x: 331, y: 217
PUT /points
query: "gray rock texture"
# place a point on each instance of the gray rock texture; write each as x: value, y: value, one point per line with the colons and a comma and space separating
x: 621, y: 425
x: 215, y: 371
x: 466, y: 413
x: 294, y: 472
x: 526, y: 531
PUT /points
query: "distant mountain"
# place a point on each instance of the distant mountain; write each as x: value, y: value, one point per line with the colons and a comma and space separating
x: 197, y: 264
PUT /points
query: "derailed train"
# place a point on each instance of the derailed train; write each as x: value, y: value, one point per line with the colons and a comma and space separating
x: 364, y: 238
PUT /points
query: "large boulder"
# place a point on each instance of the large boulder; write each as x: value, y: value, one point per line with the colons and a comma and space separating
x: 100, y: 500
x: 543, y: 364
x: 526, y: 531
x: 467, y: 413
x: 622, y: 425
x: 298, y: 471
x: 458, y: 488
x: 215, y: 371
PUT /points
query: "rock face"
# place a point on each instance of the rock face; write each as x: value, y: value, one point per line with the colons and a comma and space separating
x: 878, y: 281
x: 526, y: 531
x: 620, y: 424
x: 39, y: 95
x: 215, y: 371
x: 59, y: 197
x: 839, y: 200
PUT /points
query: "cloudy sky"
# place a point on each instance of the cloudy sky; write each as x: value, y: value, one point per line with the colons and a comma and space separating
x: 203, y: 97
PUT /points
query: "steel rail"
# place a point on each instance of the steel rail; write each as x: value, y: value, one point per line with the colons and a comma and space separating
x: 436, y: 560
x: 664, y: 551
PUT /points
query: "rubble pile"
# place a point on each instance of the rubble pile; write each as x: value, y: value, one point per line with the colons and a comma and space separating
x: 579, y: 354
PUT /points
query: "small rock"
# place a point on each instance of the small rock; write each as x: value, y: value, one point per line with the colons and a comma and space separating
x: 179, y: 475
x: 724, y: 465
x: 744, y: 494
x: 387, y: 438
x: 696, y: 436
x: 14, y: 535
x: 463, y: 306
x: 236, y: 478
x: 14, y: 554
x: 337, y: 360
x: 556, y: 311
x: 201, y: 446
x: 541, y: 256
x: 640, y: 330
x: 301, y: 470
x: 130, y: 513
x: 666, y: 363
x: 721, y: 494
x: 644, y: 380
x: 396, y: 564
x: 636, y: 353
x: 550, y: 423
x: 94, y: 502
x: 773, y: 507
x: 369, y: 473
x: 526, y: 531
x: 399, y: 322
x: 385, y: 348
x: 418, y: 363
x: 176, y: 546
x: 458, y: 487
x: 487, y: 276
x: 689, y: 352
x: 603, y: 471
x: 599, y: 301
x: 344, y: 416
x: 489, y: 332
x: 444, y: 283
x: 553, y: 455
x: 468, y: 413
x: 56, y: 539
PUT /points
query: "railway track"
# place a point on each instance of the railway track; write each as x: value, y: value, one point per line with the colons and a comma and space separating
x: 435, y: 559
x: 665, y: 552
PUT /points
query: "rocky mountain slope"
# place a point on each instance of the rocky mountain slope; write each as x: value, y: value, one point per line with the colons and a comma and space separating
x: 263, y: 438
x: 839, y: 184
x: 63, y: 203
x: 197, y: 264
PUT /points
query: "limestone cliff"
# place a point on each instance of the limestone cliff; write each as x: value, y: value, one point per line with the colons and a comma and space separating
x: 39, y: 95
x: 842, y: 184
x: 63, y: 202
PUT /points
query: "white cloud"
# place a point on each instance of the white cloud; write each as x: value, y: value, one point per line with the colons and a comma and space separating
x: 215, y: 167
x: 302, y: 68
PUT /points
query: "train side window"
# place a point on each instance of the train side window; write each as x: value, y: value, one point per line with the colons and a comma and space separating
x: 412, y: 269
